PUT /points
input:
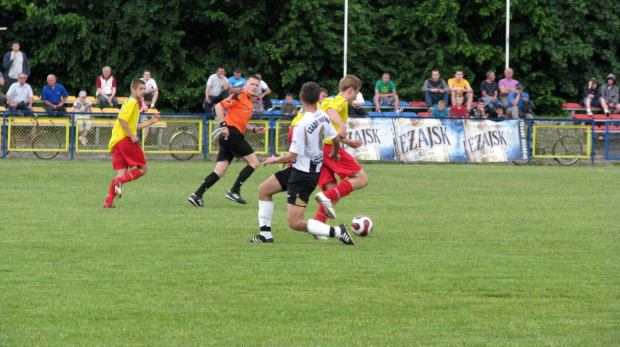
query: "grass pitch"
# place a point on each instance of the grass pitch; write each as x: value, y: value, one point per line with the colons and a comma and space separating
x: 461, y: 255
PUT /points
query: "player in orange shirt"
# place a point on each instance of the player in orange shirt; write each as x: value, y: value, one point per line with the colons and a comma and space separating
x: 232, y: 142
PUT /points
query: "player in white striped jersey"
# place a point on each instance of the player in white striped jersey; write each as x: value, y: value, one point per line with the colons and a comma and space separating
x: 300, y: 179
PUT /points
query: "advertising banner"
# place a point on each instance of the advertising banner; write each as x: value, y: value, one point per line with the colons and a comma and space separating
x: 438, y: 140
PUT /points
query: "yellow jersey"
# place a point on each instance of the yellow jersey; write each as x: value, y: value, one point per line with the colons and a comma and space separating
x: 130, y: 113
x: 340, y: 104
x: 300, y: 115
x: 462, y: 84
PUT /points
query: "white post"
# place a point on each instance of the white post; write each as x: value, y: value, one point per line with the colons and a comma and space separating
x: 346, y: 30
x: 507, y: 33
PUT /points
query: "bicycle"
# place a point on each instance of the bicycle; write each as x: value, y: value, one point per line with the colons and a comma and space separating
x: 184, y: 141
x: 37, y: 138
x: 561, y: 148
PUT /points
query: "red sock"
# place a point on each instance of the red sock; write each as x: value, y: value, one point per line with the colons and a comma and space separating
x: 340, y: 191
x: 320, y: 214
x: 110, y: 198
x: 131, y: 176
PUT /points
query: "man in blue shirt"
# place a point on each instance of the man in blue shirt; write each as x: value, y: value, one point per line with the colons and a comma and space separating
x: 518, y: 104
x: 236, y: 82
x: 54, y: 95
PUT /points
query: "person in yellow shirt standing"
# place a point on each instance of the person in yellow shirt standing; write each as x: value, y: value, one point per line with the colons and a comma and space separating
x: 459, y: 86
x: 125, y: 143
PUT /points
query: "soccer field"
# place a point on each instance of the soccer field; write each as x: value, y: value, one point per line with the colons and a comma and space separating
x: 461, y: 255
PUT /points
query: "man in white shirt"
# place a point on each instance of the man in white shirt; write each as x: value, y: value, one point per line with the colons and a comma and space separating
x: 356, y: 107
x: 19, y: 96
x: 152, y: 92
x: 216, y: 90
x: 300, y: 179
x: 263, y: 92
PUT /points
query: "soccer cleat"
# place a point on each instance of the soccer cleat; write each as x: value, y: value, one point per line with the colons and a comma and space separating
x: 118, y: 187
x: 261, y: 239
x: 326, y: 203
x: 196, y: 201
x: 108, y: 205
x: 234, y: 196
x: 320, y: 237
x: 345, y: 236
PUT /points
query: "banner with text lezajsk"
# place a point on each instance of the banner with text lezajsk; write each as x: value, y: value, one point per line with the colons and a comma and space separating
x: 438, y: 140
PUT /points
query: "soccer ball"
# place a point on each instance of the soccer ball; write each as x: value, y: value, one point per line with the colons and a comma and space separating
x: 361, y: 225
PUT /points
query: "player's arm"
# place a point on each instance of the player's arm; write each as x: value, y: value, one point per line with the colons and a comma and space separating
x: 255, y: 129
x: 154, y: 119
x: 219, y: 113
x: 335, y: 148
x: 286, y: 158
x: 335, y: 118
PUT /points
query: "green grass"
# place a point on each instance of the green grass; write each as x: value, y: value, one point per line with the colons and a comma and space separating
x: 461, y: 255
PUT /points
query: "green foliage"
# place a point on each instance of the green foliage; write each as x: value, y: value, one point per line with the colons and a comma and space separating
x: 555, y: 46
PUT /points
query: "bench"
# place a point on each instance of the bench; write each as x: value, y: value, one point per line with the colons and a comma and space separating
x: 572, y: 108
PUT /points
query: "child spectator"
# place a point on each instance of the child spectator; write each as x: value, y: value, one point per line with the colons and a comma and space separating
x: 440, y: 110
x: 610, y: 93
x: 498, y: 113
x: 458, y: 110
x: 478, y: 112
x: 84, y: 107
x: 289, y: 108
x: 592, y: 97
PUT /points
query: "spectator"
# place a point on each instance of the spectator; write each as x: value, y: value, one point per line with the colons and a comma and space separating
x: 498, y: 112
x: 490, y: 92
x: 54, y: 95
x: 217, y: 89
x: 506, y: 85
x: 257, y: 106
x: 479, y: 111
x: 84, y: 107
x: 106, y: 88
x: 152, y: 92
x: 19, y: 96
x: 435, y: 89
x: 2, y: 97
x: 610, y: 93
x: 592, y: 97
x: 459, y: 87
x: 440, y: 110
x: 289, y: 108
x: 520, y: 104
x: 356, y: 108
x: 458, y: 110
x: 236, y: 82
x: 14, y: 63
x: 385, y: 93
x: 263, y: 93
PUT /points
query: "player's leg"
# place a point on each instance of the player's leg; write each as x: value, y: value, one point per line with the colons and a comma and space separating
x: 317, y: 228
x: 266, y: 190
x: 234, y: 193
x: 220, y: 170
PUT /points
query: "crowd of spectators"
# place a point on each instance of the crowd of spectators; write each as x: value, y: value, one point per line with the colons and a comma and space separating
x: 454, y: 98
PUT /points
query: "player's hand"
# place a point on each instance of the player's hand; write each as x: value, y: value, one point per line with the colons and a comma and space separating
x: 155, y: 118
x: 225, y: 132
x: 354, y: 143
x: 334, y: 156
x: 269, y: 160
x: 135, y: 139
x: 260, y: 130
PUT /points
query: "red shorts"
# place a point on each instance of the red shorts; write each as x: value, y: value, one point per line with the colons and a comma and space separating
x: 126, y: 154
x: 345, y: 167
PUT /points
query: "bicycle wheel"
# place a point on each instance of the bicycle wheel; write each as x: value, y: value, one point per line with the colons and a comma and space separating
x: 45, y: 140
x: 183, y: 141
x: 567, y: 145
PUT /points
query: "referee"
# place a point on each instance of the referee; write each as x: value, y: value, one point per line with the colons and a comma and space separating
x: 232, y: 142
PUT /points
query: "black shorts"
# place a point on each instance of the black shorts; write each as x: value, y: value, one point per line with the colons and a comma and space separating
x: 298, y: 184
x: 234, y: 146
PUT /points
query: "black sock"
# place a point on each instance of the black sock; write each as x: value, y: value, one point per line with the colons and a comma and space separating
x: 207, y: 183
x: 332, y: 232
x: 265, y: 228
x: 243, y: 175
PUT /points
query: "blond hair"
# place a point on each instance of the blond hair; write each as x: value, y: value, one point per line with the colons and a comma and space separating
x: 349, y: 81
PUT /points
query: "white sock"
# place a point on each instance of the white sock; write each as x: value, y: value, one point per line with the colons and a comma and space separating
x: 320, y: 229
x: 266, y: 234
x: 265, y: 212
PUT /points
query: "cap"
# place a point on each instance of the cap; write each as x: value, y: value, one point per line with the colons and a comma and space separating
x: 82, y: 94
x: 593, y: 79
x: 519, y: 86
x: 237, y: 69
